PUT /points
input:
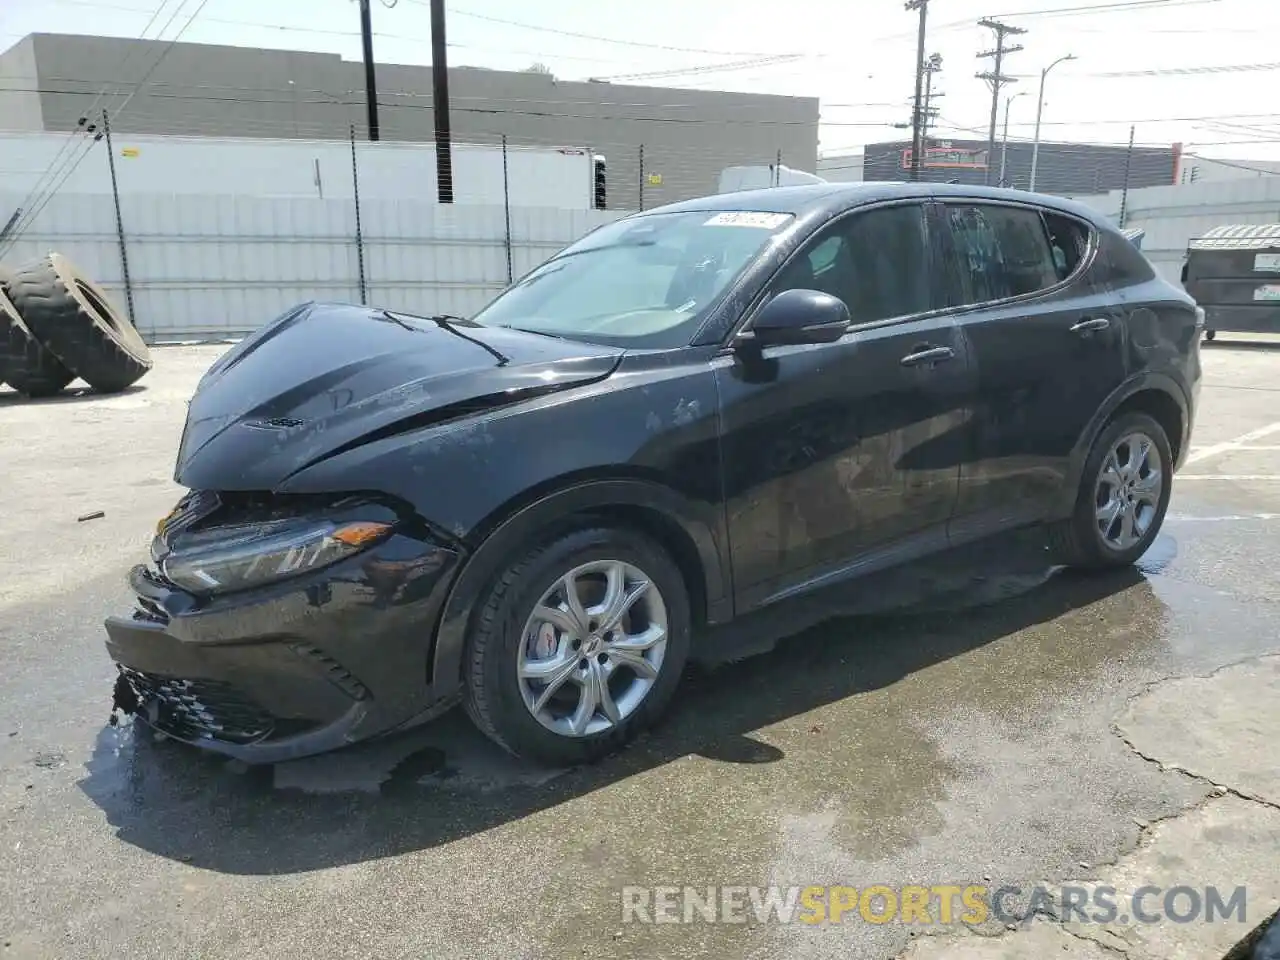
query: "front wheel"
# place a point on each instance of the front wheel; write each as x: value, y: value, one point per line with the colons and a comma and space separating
x: 580, y: 646
x: 1124, y: 493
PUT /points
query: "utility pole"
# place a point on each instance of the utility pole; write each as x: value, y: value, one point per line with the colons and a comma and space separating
x: 996, y: 79
x: 440, y: 104
x: 370, y: 83
x: 926, y: 114
x: 917, y: 108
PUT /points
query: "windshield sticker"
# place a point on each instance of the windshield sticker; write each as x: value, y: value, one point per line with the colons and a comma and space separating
x: 740, y: 218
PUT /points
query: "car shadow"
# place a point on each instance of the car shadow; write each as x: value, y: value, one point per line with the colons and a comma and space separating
x: 445, y: 782
x: 70, y: 394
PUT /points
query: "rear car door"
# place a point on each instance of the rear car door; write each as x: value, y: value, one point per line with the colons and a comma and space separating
x: 836, y: 454
x: 1047, y: 340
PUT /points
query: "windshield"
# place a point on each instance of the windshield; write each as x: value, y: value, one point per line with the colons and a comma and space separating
x: 641, y: 282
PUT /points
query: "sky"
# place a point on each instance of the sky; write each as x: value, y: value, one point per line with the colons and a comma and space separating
x: 1191, y: 71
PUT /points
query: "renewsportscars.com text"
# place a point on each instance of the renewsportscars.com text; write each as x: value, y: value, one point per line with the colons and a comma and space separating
x: 970, y: 904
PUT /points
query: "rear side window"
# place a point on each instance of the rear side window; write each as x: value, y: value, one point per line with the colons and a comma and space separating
x: 1001, y: 252
x: 1124, y: 264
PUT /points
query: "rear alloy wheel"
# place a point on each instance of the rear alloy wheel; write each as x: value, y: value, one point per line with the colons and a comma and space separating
x: 579, y: 647
x: 1124, y: 493
x: 1127, y: 491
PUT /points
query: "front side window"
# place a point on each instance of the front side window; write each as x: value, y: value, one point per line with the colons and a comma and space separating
x: 1001, y: 252
x: 645, y: 282
x: 875, y: 261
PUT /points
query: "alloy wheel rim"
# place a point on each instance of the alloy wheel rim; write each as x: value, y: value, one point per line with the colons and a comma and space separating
x: 1128, y: 490
x: 593, y: 648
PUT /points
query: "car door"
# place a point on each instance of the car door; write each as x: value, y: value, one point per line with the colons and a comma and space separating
x: 1048, y: 347
x: 837, y: 454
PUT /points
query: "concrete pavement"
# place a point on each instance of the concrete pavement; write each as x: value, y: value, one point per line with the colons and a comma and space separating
x: 1003, y: 727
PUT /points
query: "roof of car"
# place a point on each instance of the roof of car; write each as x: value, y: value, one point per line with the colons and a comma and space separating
x: 836, y: 197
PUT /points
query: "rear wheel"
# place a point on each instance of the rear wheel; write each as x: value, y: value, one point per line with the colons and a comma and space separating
x: 579, y: 646
x: 1124, y: 493
x: 1210, y: 334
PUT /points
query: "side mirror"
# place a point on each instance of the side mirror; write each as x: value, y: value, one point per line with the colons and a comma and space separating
x: 800, y: 316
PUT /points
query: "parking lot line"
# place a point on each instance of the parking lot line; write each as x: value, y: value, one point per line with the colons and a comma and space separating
x: 1195, y: 456
x: 1226, y: 476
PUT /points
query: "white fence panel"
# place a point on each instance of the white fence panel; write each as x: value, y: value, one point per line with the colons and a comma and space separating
x: 219, y: 266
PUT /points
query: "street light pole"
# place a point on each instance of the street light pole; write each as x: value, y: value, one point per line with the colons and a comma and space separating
x: 1035, y: 147
x: 1004, y: 143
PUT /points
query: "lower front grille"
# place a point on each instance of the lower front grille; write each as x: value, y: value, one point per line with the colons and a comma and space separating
x: 195, y: 709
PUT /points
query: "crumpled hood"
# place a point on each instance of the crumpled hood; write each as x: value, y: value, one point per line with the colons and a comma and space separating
x: 327, y: 377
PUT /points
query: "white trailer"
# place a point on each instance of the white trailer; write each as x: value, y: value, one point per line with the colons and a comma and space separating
x: 557, y: 177
x: 733, y: 179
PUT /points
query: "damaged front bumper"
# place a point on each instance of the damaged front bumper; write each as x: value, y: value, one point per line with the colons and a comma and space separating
x: 294, y: 668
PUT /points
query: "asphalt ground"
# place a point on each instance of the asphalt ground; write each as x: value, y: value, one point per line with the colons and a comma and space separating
x: 1009, y: 725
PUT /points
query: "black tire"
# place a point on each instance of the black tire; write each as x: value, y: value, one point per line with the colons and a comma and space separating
x: 75, y: 322
x: 24, y: 364
x: 492, y: 696
x: 1210, y: 334
x: 1077, y: 541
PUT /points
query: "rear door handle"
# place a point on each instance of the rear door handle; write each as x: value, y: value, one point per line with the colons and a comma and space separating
x: 930, y: 355
x: 1088, y: 326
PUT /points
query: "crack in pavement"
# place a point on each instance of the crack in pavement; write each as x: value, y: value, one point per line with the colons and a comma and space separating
x: 1105, y: 937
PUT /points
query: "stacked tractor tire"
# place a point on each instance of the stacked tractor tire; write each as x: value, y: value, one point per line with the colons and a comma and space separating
x: 57, y: 325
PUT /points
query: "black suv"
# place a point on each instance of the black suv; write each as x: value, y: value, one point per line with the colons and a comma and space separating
x: 689, y: 415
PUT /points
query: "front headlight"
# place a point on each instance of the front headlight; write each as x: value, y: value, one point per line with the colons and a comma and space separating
x: 223, y: 559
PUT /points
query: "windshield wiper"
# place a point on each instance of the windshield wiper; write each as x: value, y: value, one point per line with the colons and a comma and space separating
x: 540, y: 333
x: 449, y: 323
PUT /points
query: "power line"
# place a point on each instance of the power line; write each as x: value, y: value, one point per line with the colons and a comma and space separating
x: 1122, y: 6
x: 590, y: 36
x: 1192, y: 71
x: 706, y: 68
x: 337, y: 100
x: 34, y: 193
x: 75, y: 162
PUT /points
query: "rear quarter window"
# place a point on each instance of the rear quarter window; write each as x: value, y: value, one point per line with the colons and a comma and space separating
x: 1068, y: 242
x: 1121, y: 263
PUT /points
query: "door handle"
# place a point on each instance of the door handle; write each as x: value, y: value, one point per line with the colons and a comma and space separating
x: 929, y: 355
x: 1088, y: 326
